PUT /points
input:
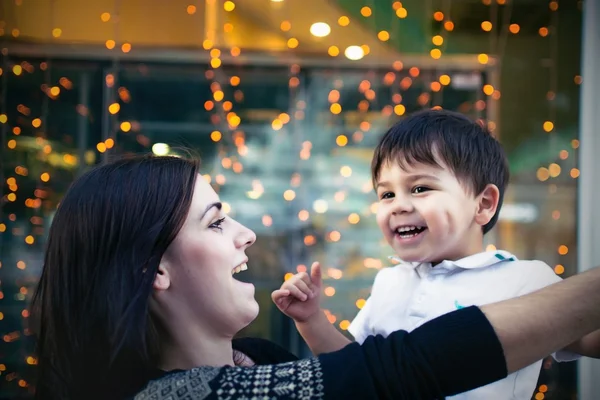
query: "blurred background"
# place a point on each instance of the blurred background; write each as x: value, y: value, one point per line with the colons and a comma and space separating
x: 283, y: 100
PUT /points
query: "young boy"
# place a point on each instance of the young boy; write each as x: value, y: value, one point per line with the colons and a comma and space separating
x: 440, y: 180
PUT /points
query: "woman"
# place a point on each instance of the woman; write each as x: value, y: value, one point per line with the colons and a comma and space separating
x: 138, y: 294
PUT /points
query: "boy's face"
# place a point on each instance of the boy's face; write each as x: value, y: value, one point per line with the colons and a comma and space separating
x: 426, y: 215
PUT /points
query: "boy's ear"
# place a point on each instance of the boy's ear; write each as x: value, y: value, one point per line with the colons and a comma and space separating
x: 487, y: 205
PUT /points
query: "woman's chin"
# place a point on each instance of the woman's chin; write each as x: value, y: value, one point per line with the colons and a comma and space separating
x: 249, y: 312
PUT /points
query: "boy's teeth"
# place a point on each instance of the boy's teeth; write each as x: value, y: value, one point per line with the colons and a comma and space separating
x: 406, y: 228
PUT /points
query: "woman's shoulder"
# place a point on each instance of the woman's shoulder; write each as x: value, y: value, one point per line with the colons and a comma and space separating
x: 181, y: 384
x: 263, y: 351
x: 287, y: 380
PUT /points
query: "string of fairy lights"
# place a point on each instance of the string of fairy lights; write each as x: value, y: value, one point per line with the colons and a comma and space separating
x: 226, y: 98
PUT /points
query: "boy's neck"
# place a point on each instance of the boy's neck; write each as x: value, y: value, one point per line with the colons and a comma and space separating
x: 476, y: 249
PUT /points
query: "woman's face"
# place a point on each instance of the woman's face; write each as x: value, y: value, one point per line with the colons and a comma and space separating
x: 202, y: 262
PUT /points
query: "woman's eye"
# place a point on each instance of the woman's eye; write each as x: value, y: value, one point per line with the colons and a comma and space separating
x: 218, y: 224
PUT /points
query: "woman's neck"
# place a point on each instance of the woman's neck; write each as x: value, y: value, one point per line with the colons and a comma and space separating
x: 186, y: 350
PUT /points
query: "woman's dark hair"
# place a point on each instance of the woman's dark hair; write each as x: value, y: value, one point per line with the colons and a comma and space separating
x: 96, y: 338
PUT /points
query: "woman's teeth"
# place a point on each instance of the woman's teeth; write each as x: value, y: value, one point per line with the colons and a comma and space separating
x: 239, y: 268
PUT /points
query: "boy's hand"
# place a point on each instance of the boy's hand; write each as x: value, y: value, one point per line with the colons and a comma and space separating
x: 299, y: 297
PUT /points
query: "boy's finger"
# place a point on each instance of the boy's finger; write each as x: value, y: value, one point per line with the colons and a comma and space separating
x: 279, y: 294
x: 297, y: 293
x: 315, y: 274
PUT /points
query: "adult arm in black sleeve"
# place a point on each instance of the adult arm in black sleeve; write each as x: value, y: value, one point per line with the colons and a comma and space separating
x: 454, y: 353
x: 398, y: 367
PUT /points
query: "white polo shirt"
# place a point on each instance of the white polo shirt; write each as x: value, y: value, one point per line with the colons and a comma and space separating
x: 409, y: 294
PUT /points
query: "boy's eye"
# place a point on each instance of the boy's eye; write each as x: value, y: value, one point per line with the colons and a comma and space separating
x: 420, y: 189
x: 386, y: 195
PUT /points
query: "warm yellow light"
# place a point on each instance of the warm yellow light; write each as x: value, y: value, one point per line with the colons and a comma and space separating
x: 399, y: 109
x: 333, y: 51
x: 483, y: 58
x: 343, y: 21
x: 486, y: 26
x: 563, y: 250
x: 548, y: 126
x: 354, y: 53
x: 289, y: 195
x: 384, y: 36
x: 54, y: 90
x: 445, y: 80
x: 366, y: 11
x: 401, y: 12
x: 320, y: 29
x: 125, y: 126
x: 229, y: 6
x: 438, y: 16
x: 292, y: 43
x: 285, y: 26
x: 320, y: 206
x: 449, y: 26
x: 543, y: 174
x: 17, y: 70
x: 105, y: 17
x: 215, y: 136
x: 354, y: 218
x: 488, y: 89
x: 277, y: 124
x: 574, y: 173
x: 435, y: 53
x: 3, y: 118
x: 218, y: 95
x: 514, y: 28
x: 126, y: 47
x: 554, y: 170
x: 335, y: 108
x: 161, y: 149
x: 543, y: 31
x: 114, y: 108
x: 36, y: 123
x: 110, y: 44
x: 437, y: 40
x: 341, y: 140
x: 56, y: 32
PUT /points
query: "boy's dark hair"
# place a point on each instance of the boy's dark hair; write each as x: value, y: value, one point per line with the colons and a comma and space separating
x: 440, y: 136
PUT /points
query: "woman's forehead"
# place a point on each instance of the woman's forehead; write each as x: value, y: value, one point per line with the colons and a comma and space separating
x: 204, y: 194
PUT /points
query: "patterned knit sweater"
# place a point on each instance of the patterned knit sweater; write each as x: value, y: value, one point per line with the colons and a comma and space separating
x: 449, y: 355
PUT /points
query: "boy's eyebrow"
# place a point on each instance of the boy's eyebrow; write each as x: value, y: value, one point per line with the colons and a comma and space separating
x: 416, y: 177
x: 411, y: 178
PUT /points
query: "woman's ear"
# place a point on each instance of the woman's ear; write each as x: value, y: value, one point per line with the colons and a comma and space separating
x: 162, y: 281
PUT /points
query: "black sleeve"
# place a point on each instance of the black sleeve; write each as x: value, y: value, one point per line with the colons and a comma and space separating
x: 451, y: 354
x: 263, y: 351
